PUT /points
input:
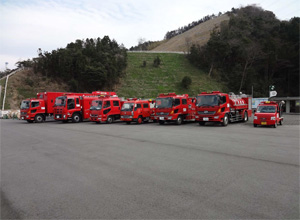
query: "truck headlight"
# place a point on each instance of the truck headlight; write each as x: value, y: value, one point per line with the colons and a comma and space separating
x: 216, y: 117
x: 169, y: 118
x: 255, y: 117
x: 273, y: 118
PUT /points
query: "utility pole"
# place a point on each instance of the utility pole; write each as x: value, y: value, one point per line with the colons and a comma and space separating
x: 5, y: 92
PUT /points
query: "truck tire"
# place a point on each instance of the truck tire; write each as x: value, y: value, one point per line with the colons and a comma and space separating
x: 161, y: 122
x: 140, y: 120
x: 281, y: 122
x: 201, y: 123
x: 255, y: 125
x: 39, y: 118
x: 225, y: 120
x: 29, y: 121
x: 245, y: 117
x: 179, y: 120
x: 76, y: 118
x: 109, y: 120
x: 275, y: 125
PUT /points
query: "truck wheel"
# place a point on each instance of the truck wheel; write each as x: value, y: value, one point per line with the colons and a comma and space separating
x: 76, y: 118
x: 109, y: 120
x: 161, y: 122
x: 255, y: 125
x: 140, y: 120
x: 29, y: 121
x: 225, y: 120
x: 275, y: 125
x: 281, y: 122
x: 245, y: 116
x: 201, y: 123
x: 179, y: 120
x: 38, y: 118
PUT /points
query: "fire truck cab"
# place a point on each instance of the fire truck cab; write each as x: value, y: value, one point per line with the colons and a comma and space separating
x: 33, y: 110
x: 105, y: 109
x: 170, y: 107
x: 222, y: 108
x: 136, y: 110
x: 268, y: 113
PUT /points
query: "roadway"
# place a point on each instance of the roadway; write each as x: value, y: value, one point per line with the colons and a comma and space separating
x: 89, y: 171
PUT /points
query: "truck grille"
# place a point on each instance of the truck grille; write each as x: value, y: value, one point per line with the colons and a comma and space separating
x: 23, y: 113
x: 58, y: 111
x: 162, y: 113
x: 94, y: 115
x: 206, y: 112
x: 126, y: 116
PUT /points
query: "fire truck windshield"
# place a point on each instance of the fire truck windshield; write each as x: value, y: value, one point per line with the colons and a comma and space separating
x: 60, y: 101
x: 266, y: 109
x: 127, y: 107
x: 96, y: 105
x: 164, y: 102
x: 207, y: 100
x: 25, y: 105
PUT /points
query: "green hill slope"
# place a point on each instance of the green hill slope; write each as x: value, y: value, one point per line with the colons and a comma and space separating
x: 149, y: 81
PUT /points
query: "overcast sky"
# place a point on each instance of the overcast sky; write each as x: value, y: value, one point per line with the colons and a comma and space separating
x: 26, y: 25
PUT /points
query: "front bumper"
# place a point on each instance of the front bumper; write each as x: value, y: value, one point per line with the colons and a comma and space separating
x: 61, y: 117
x: 26, y: 117
x: 264, y: 122
x: 165, y: 118
x: 127, y: 118
x: 215, y: 118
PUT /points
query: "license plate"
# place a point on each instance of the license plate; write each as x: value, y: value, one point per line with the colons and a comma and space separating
x: 263, y: 123
x: 205, y: 119
x: 161, y: 118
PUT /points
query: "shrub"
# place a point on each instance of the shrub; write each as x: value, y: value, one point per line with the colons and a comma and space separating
x: 186, y: 82
x: 156, y: 62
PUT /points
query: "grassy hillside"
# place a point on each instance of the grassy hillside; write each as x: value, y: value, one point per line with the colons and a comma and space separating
x: 140, y: 82
x: 149, y: 81
x: 200, y: 34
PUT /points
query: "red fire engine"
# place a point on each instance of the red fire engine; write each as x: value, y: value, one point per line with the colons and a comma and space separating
x: 268, y: 113
x: 222, y: 108
x: 106, y: 108
x: 74, y: 107
x: 170, y: 107
x: 36, y: 109
x: 136, y: 110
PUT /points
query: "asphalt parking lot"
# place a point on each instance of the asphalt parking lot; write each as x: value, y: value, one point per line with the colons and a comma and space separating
x: 149, y: 171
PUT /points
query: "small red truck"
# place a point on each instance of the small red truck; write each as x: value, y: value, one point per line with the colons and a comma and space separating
x: 36, y: 109
x: 136, y: 110
x: 73, y: 106
x: 268, y: 113
x: 170, y: 107
x: 106, y: 108
x: 222, y: 108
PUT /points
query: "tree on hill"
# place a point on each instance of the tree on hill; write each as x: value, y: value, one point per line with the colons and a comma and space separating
x: 253, y: 49
x: 93, y: 64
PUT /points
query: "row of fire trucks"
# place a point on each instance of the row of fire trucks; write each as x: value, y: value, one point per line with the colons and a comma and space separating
x: 103, y: 106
